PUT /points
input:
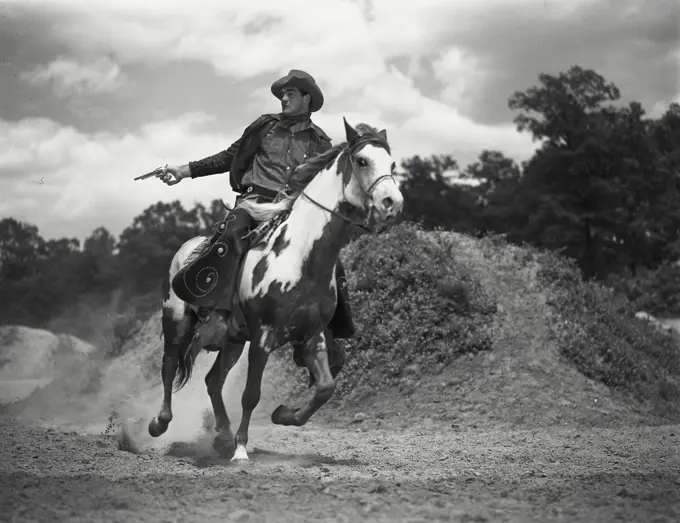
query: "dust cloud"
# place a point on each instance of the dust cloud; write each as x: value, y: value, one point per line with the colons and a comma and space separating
x: 78, y: 389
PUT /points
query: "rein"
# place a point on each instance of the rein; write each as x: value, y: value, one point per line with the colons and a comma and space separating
x: 347, y: 219
x: 368, y: 193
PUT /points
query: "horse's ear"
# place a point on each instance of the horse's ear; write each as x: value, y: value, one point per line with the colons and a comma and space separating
x: 383, y: 134
x: 350, y: 132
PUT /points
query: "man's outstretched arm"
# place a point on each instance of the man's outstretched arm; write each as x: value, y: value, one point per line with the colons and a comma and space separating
x: 215, y: 164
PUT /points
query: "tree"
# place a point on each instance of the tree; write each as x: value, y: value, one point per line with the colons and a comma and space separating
x: 430, y: 197
x: 565, y: 109
x: 60, y: 282
x: 492, y: 168
x: 665, y: 135
x: 147, y: 246
x: 21, y: 249
x: 572, y: 184
x: 498, y: 177
x: 100, y: 265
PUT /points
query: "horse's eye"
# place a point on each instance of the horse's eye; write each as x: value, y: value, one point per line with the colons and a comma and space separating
x: 361, y: 162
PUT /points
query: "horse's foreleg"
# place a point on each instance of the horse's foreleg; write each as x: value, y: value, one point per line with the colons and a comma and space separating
x: 177, y: 334
x: 227, y: 357
x: 159, y: 424
x: 257, y: 361
x: 315, y: 355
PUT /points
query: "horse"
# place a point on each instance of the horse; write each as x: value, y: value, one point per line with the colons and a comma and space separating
x: 286, y: 289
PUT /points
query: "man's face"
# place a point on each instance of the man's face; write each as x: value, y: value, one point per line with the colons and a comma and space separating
x: 293, y: 103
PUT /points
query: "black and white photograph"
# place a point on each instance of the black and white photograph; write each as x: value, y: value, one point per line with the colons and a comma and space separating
x: 340, y: 261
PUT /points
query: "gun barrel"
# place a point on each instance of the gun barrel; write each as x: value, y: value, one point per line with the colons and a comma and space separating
x: 149, y: 175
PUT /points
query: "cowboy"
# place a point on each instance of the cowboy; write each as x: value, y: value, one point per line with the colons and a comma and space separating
x: 261, y: 163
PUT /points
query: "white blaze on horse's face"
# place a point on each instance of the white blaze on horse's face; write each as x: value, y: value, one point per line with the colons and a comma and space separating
x: 372, y: 182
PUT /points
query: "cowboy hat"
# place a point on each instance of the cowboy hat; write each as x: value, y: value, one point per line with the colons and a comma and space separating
x: 302, y: 81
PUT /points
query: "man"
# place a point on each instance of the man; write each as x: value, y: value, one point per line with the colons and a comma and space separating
x: 262, y: 163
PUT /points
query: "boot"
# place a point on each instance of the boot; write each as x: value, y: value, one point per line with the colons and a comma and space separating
x: 210, y: 279
x: 342, y: 323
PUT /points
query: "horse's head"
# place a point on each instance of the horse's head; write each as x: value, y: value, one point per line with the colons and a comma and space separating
x: 368, y: 176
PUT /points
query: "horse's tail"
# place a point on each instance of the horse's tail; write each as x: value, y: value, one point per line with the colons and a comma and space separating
x: 187, y: 354
x: 265, y: 211
x: 178, y: 333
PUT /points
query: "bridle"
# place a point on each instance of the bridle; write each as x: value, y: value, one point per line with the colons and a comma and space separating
x: 368, y: 203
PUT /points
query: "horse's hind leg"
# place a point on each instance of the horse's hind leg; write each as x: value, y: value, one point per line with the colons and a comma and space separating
x: 229, y: 354
x: 178, y: 330
x: 315, y: 355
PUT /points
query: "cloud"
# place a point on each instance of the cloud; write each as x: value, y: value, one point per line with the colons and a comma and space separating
x: 348, y: 42
x: 462, y: 74
x: 88, y: 178
x: 71, y: 78
x: 505, y: 49
x: 239, y: 41
x: 482, y: 51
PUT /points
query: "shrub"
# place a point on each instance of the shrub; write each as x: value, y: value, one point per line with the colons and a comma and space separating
x: 413, y: 304
x: 595, y: 328
x: 655, y: 291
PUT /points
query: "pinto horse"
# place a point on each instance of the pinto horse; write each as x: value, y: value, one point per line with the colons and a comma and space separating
x: 287, y: 289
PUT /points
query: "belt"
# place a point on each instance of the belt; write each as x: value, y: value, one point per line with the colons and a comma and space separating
x: 251, y: 190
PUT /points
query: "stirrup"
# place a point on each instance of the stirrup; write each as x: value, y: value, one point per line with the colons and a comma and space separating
x: 203, y: 315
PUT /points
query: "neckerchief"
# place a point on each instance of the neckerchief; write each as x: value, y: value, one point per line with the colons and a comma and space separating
x: 289, y: 121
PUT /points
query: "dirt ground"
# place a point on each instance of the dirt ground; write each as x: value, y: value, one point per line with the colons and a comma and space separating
x: 511, y: 435
x: 356, y: 473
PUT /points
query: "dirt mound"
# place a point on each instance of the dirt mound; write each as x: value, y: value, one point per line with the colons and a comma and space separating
x: 509, y: 363
x: 31, y: 358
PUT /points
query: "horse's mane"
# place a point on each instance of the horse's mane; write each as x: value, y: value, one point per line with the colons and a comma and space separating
x: 266, y: 211
x: 321, y: 161
x: 324, y: 160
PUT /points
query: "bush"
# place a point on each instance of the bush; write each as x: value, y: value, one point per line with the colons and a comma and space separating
x: 413, y: 305
x: 655, y: 291
x: 595, y: 328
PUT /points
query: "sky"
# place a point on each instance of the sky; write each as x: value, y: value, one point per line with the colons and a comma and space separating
x: 95, y: 93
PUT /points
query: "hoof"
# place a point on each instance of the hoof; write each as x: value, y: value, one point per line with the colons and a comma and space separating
x: 224, y: 445
x: 241, y: 455
x: 284, y: 415
x: 157, y: 428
